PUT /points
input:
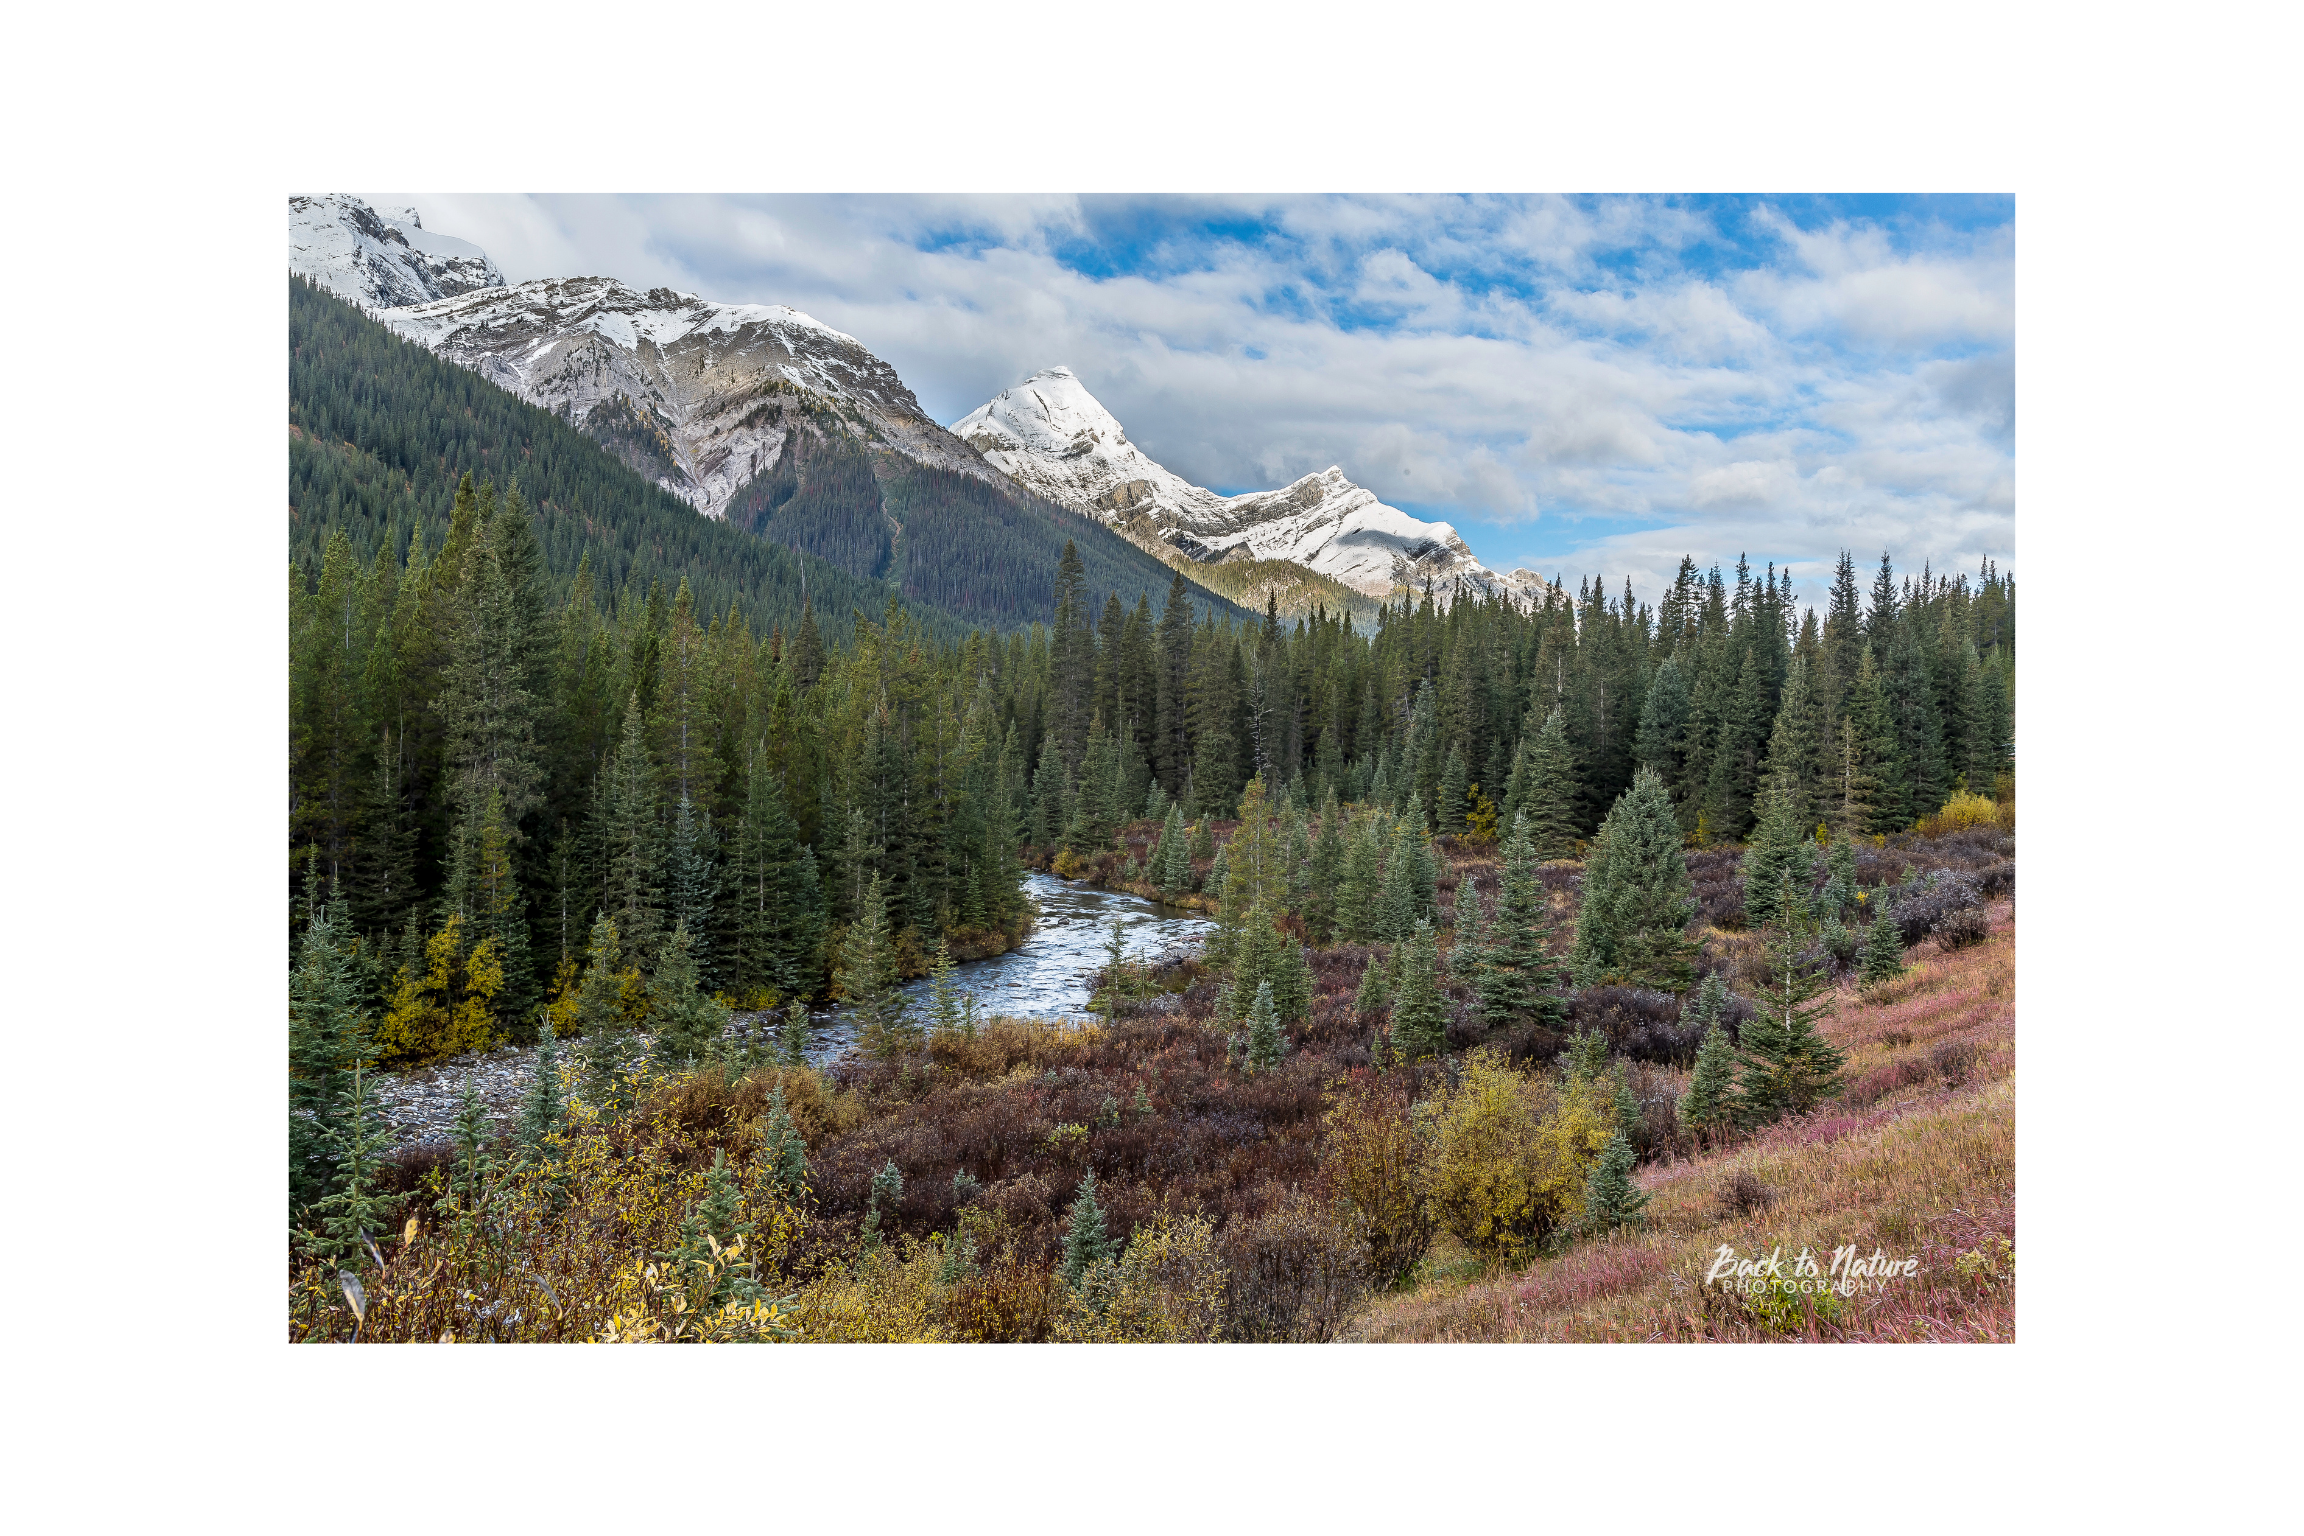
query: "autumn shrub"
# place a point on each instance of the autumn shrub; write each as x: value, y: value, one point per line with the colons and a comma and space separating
x: 1644, y: 1024
x: 1742, y: 1194
x: 1718, y: 875
x: 1168, y: 1287
x: 1292, y: 1274
x: 1959, y: 929
x: 1920, y: 903
x: 1997, y: 878
x: 1962, y: 811
x: 1376, y: 1159
x: 1513, y: 1154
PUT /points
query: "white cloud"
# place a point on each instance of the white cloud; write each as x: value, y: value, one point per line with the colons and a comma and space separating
x: 1524, y: 368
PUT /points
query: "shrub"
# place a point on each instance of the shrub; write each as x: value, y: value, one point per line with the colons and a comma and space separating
x: 1918, y: 905
x: 1958, y: 930
x: 1376, y: 1158
x: 1293, y: 1274
x: 1955, y: 1059
x: 1965, y: 810
x: 1997, y: 878
x: 1742, y: 1194
x: 1514, y: 1153
x: 1168, y: 1288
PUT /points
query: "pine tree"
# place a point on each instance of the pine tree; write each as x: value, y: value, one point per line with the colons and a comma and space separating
x: 1519, y: 979
x: 1638, y: 898
x: 1453, y: 779
x: 1778, y: 865
x: 688, y: 1022
x: 881, y: 1012
x: 1419, y: 1017
x: 1628, y: 1117
x: 1708, y: 1107
x: 692, y: 885
x: 1586, y: 1056
x: 792, y: 1036
x: 327, y: 1042
x: 1787, y: 1066
x: 473, y: 1162
x: 1329, y: 855
x: 542, y: 1110
x: 1543, y: 784
x: 1375, y: 993
x: 887, y: 1193
x: 1883, y: 956
x: 1172, y: 864
x: 1796, y: 772
x: 783, y: 1155
x: 1360, y: 885
x: 357, y: 1209
x: 943, y: 992
x: 634, y: 894
x: 1086, y: 1243
x: 1265, y: 1042
x: 1611, y: 1198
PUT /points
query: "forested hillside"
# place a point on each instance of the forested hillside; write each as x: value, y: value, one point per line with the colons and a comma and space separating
x: 381, y: 431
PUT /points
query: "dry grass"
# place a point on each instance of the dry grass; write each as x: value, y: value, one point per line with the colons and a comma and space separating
x: 1917, y: 1159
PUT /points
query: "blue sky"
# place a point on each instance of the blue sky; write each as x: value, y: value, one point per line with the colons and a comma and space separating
x: 1583, y: 385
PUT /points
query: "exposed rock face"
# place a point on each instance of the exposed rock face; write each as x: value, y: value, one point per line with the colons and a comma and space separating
x: 700, y: 397
x: 381, y: 259
x: 1051, y: 435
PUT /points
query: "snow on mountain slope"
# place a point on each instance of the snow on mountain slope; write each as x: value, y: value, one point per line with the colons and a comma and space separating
x: 379, y: 260
x: 710, y: 391
x: 1050, y: 434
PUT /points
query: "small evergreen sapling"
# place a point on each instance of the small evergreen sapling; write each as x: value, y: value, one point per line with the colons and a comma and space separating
x: 473, y: 1162
x: 792, y: 1035
x: 1708, y: 1108
x: 1883, y: 957
x: 542, y: 1110
x: 1086, y: 1242
x: 1587, y: 1056
x: 1419, y: 1017
x: 1375, y: 992
x: 1611, y: 1198
x: 1265, y: 1044
x: 349, y: 1217
x: 783, y: 1154
x: 1787, y: 1066
x: 887, y: 1190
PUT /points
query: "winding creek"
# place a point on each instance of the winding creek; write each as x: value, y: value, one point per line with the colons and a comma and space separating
x: 1047, y: 975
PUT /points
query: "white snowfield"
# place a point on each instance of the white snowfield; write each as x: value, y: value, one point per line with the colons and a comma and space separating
x: 1050, y: 434
x: 380, y: 260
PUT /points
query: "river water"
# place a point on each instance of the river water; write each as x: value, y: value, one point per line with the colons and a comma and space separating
x: 1047, y: 975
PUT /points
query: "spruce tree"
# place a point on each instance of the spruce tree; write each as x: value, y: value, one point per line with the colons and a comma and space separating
x: 783, y: 1155
x: 881, y: 1012
x: 542, y: 1110
x: 943, y: 992
x: 792, y: 1035
x: 887, y: 1193
x: 327, y: 1041
x: 1611, y: 1198
x: 1265, y: 1043
x: 1396, y: 911
x: 1628, y: 1116
x: 1453, y: 779
x: 1172, y: 866
x: 1329, y: 853
x: 1544, y: 785
x: 1708, y: 1107
x: 1086, y: 1243
x: 1519, y: 979
x: 1638, y: 898
x: 473, y: 1162
x: 1787, y: 1066
x: 1883, y: 956
x: 688, y: 1022
x: 1779, y: 864
x: 1375, y: 993
x: 1795, y: 773
x: 356, y: 1209
x: 1419, y: 1017
x: 1358, y: 888
x: 1586, y: 1057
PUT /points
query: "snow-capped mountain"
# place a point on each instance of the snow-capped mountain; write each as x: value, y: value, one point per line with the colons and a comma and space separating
x: 701, y: 397
x: 1051, y: 435
x: 379, y: 259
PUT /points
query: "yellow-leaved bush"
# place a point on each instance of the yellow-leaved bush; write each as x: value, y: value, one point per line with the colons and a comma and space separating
x: 448, y: 1009
x: 1168, y: 1288
x: 1513, y: 1153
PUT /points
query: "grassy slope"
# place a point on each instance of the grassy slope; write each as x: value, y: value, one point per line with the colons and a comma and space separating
x: 1918, y: 1158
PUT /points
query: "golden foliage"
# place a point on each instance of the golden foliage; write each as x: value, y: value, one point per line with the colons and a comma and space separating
x: 1168, y: 1288
x: 1513, y: 1155
x: 447, y: 1010
x: 1378, y: 1159
x: 1965, y: 810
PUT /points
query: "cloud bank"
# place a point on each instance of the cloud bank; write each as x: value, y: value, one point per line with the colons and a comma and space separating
x: 1584, y: 385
